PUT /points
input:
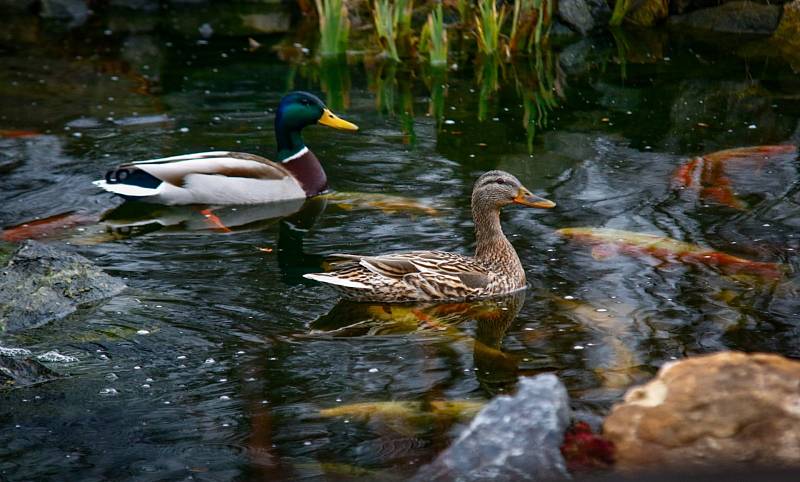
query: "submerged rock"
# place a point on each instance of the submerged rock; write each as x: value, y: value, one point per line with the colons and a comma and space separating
x: 729, y: 408
x: 40, y: 284
x: 21, y: 372
x: 733, y: 17
x: 513, y: 438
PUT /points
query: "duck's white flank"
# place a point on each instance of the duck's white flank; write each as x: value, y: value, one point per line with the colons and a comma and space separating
x: 129, y: 189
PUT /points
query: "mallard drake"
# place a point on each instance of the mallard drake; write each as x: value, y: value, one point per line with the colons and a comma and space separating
x: 223, y: 177
x: 437, y: 275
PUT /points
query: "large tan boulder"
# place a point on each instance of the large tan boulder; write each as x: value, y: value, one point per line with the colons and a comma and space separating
x: 727, y: 408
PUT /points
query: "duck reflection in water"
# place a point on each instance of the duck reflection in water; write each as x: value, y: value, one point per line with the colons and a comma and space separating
x: 451, y: 322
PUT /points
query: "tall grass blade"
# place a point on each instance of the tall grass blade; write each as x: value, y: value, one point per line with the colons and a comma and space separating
x: 434, y: 37
x: 386, y: 27
x: 334, y: 27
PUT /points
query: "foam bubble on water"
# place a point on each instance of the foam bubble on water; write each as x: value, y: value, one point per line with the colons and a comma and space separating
x: 14, y: 351
x: 56, y: 357
x: 142, y: 332
x: 109, y: 392
x: 210, y: 361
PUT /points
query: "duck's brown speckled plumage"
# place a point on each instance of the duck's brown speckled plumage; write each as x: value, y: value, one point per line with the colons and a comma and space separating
x: 437, y: 275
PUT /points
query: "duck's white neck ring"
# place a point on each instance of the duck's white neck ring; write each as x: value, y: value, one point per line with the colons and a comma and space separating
x: 297, y: 154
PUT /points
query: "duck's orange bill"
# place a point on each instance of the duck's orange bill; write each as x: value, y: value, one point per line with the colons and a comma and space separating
x: 525, y: 198
x: 332, y: 120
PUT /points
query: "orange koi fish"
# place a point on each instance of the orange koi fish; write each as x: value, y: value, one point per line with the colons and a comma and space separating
x: 706, y: 173
x: 15, y: 133
x: 47, y: 227
x: 669, y: 250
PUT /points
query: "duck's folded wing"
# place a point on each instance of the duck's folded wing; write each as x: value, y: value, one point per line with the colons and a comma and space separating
x: 176, y: 169
x: 429, y: 265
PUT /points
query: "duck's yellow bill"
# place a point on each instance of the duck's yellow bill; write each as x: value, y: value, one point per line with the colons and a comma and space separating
x: 332, y: 120
x: 525, y: 198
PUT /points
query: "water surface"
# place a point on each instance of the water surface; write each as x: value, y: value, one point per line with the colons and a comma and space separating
x: 215, y: 363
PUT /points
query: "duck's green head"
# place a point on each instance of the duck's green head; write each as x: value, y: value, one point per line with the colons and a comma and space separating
x: 298, y: 110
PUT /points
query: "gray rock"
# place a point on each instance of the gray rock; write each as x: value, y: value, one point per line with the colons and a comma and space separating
x: 733, y: 17
x: 40, y: 284
x: 22, y: 372
x: 513, y: 438
x: 583, y: 16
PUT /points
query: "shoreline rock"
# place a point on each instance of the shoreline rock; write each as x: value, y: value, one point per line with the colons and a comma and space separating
x: 708, y: 412
x: 512, y: 438
x: 741, y: 17
x: 39, y: 284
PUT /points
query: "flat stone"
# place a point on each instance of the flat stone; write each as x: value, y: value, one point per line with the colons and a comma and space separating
x: 728, y: 408
x: 733, y: 17
x: 39, y: 284
x: 513, y: 438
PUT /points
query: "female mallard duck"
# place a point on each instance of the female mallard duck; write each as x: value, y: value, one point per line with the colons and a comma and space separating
x: 439, y: 276
x: 222, y: 177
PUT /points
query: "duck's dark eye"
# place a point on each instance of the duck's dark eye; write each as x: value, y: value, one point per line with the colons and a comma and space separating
x: 499, y: 181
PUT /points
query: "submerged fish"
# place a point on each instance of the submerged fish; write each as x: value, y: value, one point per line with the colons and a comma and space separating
x: 669, y: 250
x: 17, y: 133
x: 407, y: 410
x: 385, y: 202
x: 707, y: 174
x: 47, y: 227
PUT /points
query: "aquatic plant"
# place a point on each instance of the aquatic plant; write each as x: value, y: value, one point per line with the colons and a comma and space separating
x: 434, y: 37
x: 386, y: 20
x: 621, y: 8
x: 403, y: 12
x: 334, y: 27
x: 488, y: 25
x: 530, y: 24
x: 464, y: 8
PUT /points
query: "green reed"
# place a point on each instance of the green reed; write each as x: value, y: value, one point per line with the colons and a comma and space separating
x: 434, y: 37
x: 386, y: 27
x: 334, y: 27
x: 464, y: 9
x: 530, y: 24
x: 488, y: 25
x: 621, y: 8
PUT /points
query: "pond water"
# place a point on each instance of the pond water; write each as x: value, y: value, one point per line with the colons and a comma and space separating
x: 218, y: 359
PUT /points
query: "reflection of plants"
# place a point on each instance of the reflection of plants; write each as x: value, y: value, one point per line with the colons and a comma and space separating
x: 437, y: 85
x: 538, y: 87
x: 334, y: 78
x: 434, y: 37
x: 622, y: 50
x: 488, y: 24
x: 488, y: 76
x: 334, y: 26
x: 386, y: 20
